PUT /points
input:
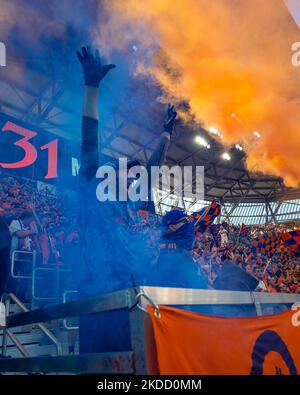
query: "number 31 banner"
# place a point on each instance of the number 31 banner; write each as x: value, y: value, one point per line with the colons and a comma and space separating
x: 29, y: 151
x: 192, y: 343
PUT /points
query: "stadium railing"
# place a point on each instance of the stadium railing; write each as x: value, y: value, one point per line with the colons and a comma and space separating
x: 141, y: 358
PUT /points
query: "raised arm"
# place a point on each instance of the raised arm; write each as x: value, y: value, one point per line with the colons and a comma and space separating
x: 159, y: 154
x: 93, y: 72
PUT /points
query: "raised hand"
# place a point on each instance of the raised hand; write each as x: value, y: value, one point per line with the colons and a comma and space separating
x: 93, y: 70
x: 171, y: 115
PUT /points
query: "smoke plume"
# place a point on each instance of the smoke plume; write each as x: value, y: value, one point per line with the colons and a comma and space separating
x: 230, y: 60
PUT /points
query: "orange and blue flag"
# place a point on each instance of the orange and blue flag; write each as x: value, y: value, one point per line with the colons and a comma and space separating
x: 292, y: 240
x: 267, y: 244
x: 286, y: 245
x: 206, y: 216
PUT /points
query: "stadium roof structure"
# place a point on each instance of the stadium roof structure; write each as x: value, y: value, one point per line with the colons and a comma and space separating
x: 128, y: 130
x: 42, y: 85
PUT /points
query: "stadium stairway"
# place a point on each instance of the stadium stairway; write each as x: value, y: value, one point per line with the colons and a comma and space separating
x: 33, y: 339
x: 41, y: 357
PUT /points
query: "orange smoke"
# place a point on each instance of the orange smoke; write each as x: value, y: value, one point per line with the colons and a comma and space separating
x: 230, y: 57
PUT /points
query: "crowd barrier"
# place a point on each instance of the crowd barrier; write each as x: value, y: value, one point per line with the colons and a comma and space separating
x: 142, y: 357
x: 44, y: 282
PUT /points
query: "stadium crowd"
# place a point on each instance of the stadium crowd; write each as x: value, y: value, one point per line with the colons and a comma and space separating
x: 33, y: 218
x: 275, y: 274
x: 58, y: 238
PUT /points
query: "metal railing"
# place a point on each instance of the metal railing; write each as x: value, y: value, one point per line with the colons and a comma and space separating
x: 15, y: 258
x: 140, y: 359
x: 36, y: 274
x: 7, y: 333
x: 57, y: 271
x: 66, y: 325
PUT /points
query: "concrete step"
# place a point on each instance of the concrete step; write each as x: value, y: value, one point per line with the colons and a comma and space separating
x: 23, y: 329
x: 34, y: 351
x: 25, y: 338
x: 34, y: 340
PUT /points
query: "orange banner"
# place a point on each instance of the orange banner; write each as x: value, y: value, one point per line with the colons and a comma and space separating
x: 192, y: 343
